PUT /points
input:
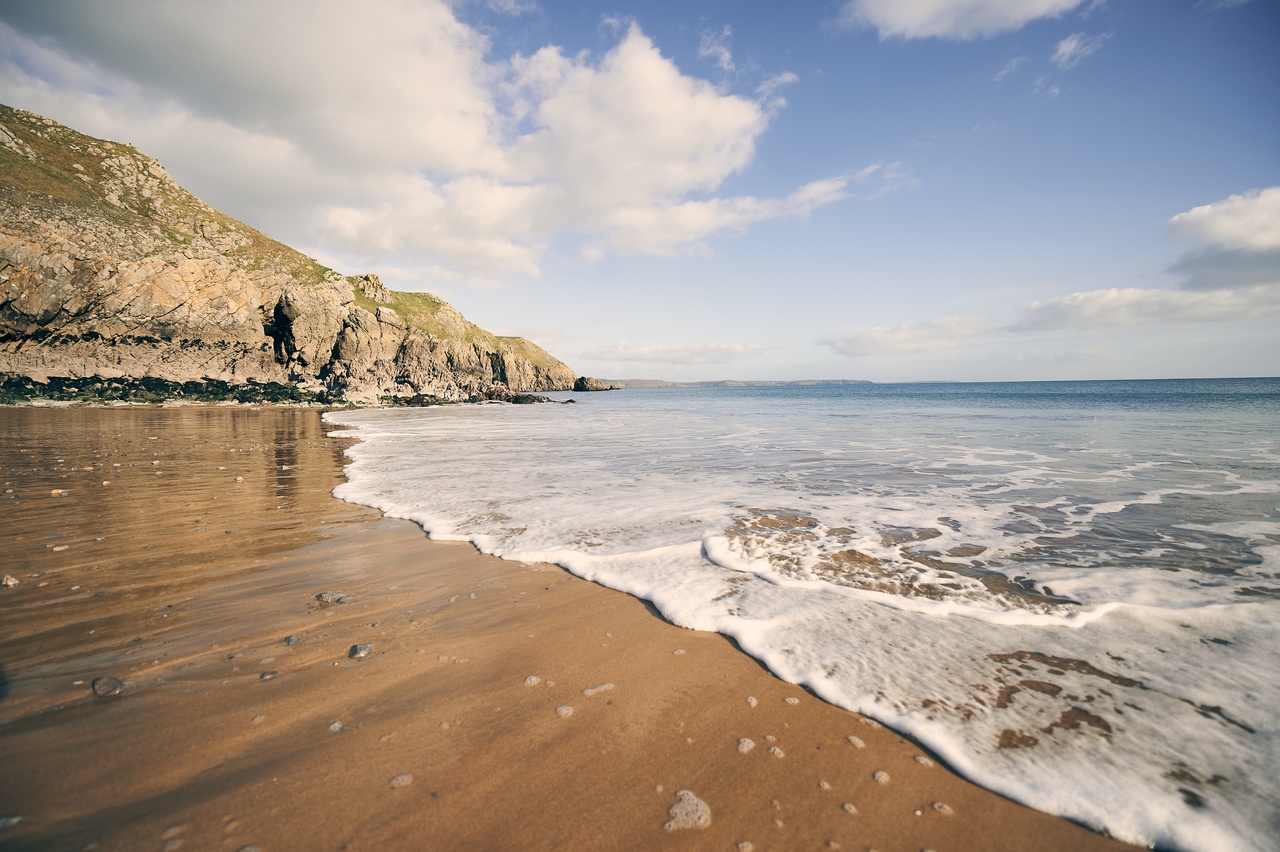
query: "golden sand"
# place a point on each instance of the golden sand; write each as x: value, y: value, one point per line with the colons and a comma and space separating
x: 499, y: 706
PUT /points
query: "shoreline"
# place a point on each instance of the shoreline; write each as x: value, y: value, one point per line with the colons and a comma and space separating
x: 184, y: 576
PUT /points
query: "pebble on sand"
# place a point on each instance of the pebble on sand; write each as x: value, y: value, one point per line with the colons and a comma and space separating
x: 359, y: 652
x: 108, y: 687
x: 268, y: 675
x: 403, y: 780
x: 292, y: 640
x: 9, y: 581
x: 333, y: 597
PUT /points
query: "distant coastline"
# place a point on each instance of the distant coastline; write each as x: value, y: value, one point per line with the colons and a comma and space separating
x: 731, y: 383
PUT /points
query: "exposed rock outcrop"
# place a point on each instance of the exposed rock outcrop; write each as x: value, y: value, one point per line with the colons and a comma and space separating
x: 108, y: 268
x: 585, y: 384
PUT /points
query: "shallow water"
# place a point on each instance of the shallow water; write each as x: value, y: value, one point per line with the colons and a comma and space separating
x: 1070, y: 591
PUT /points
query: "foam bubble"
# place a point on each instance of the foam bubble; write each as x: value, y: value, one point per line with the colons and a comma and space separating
x: 745, y: 745
x: 848, y: 808
x: 688, y: 812
x: 777, y: 752
x: 923, y: 761
x: 880, y: 776
x: 855, y: 741
x: 791, y: 699
x: 532, y: 680
x: 943, y: 808
x: 564, y: 711
x: 594, y: 689
x: 751, y: 701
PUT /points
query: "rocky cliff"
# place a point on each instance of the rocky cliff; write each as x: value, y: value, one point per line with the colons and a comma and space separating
x: 110, y: 269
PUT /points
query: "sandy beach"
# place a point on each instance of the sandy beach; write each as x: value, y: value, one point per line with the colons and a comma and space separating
x: 497, y: 705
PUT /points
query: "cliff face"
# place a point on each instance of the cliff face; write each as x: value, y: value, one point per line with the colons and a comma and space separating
x: 108, y: 268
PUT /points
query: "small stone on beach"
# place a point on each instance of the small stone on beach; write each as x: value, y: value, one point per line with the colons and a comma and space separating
x: 855, y: 742
x: 335, y: 726
x: 532, y: 680
x: 333, y: 597
x: 359, y: 652
x: 268, y: 675
x: 401, y: 781
x: 291, y: 640
x: 9, y: 581
x: 108, y: 687
x: 10, y: 821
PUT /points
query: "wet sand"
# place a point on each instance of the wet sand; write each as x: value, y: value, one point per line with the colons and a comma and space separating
x: 500, y: 706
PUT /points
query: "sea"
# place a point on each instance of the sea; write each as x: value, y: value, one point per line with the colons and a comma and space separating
x: 1069, y: 592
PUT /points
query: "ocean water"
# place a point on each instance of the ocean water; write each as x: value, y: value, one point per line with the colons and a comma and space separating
x: 1068, y: 591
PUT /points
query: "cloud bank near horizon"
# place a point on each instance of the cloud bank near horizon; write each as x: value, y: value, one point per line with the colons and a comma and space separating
x: 1233, y: 275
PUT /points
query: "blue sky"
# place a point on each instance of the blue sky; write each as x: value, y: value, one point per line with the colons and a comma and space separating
x: 878, y: 189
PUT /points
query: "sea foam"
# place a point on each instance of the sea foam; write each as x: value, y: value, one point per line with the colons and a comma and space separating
x: 1068, y: 593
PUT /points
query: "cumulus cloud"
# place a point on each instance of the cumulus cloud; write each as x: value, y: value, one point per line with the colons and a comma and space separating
x: 392, y: 131
x: 949, y: 19
x: 1075, y: 48
x: 1237, y: 242
x: 676, y: 353
x: 1249, y: 221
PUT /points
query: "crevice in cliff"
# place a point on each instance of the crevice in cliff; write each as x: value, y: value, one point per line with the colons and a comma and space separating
x: 278, y: 328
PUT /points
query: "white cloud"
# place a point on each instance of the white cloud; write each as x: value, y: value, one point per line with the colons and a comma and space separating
x: 1044, y: 86
x: 389, y: 135
x: 676, y: 353
x: 932, y: 336
x: 715, y: 46
x: 951, y: 19
x: 1083, y: 311
x: 673, y: 228
x: 885, y: 178
x: 513, y: 8
x: 1009, y: 68
x: 1075, y: 48
x: 1249, y: 221
x: 1131, y: 307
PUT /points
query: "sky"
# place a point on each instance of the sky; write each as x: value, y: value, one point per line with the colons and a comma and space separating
x: 891, y: 190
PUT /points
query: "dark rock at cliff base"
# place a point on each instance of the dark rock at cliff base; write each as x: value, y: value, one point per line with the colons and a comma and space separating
x: 111, y: 271
x: 527, y: 399
x: 585, y: 384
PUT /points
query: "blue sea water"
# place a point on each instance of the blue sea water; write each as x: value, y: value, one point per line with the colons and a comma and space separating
x: 1070, y: 591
